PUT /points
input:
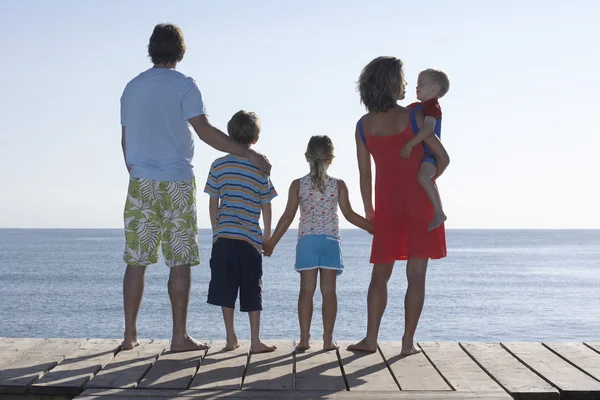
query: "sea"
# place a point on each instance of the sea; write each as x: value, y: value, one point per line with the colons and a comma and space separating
x: 494, y: 285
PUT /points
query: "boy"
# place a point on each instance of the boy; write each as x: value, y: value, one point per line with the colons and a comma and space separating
x: 238, y: 193
x: 432, y: 85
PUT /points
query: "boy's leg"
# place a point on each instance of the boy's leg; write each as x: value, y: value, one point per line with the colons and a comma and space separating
x: 308, y: 284
x: 425, y: 176
x: 328, y: 292
x: 232, y: 340
x: 416, y: 270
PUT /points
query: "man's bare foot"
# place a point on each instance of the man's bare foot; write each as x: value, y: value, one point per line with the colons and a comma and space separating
x: 232, y: 344
x: 330, y: 345
x: 188, y: 343
x: 438, y: 220
x: 129, y: 344
x: 304, y: 344
x: 363, y: 345
x: 261, y: 347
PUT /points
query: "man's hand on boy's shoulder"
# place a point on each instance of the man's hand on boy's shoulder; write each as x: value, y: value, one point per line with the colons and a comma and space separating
x: 260, y: 161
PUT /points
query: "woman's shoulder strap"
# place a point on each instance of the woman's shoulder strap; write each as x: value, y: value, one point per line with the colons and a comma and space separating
x: 361, y: 130
x: 413, y: 121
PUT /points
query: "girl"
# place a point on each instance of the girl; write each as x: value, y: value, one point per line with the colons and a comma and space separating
x: 319, y: 249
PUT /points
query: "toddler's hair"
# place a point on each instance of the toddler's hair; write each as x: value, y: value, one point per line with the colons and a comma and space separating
x: 439, y: 77
x: 319, y: 154
x: 166, y: 44
x: 380, y: 83
x: 244, y: 127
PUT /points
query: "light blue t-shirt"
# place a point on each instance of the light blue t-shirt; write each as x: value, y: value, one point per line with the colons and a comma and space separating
x: 155, y: 108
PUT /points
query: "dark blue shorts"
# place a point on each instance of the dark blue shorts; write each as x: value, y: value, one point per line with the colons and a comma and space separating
x: 235, y: 265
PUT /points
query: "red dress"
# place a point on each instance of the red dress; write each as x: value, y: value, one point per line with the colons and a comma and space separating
x: 402, y: 210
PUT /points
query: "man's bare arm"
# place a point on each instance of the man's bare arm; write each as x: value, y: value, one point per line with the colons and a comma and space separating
x: 123, y: 146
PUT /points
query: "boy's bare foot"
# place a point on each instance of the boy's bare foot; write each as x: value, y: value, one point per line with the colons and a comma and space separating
x: 330, y: 345
x: 304, y: 344
x: 438, y: 220
x: 363, y: 345
x: 232, y: 344
x: 188, y: 343
x: 261, y: 348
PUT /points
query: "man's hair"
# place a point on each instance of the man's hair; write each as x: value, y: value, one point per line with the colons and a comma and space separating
x: 380, y: 83
x: 439, y: 77
x: 166, y: 44
x: 244, y: 127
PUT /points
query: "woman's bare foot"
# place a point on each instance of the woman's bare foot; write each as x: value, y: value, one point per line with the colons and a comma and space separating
x: 188, y: 343
x: 330, y: 345
x: 304, y: 344
x: 129, y: 341
x: 438, y: 220
x: 408, y: 348
x: 364, y: 345
x: 232, y: 344
x: 261, y: 347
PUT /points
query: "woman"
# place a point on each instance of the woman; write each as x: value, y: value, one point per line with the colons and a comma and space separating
x: 402, y: 212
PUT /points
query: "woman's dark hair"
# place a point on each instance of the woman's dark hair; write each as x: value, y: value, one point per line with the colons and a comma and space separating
x: 381, y: 83
x: 166, y: 44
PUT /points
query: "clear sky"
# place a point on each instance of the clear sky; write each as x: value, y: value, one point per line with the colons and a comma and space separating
x: 519, y: 120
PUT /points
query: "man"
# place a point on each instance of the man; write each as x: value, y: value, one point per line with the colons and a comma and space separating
x: 158, y: 147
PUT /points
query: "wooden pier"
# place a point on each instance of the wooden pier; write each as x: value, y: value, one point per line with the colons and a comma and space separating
x: 96, y: 369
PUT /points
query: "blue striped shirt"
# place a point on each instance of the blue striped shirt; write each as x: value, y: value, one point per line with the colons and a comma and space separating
x: 242, y: 190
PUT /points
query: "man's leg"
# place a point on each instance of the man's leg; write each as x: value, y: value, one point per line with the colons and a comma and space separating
x: 133, y: 290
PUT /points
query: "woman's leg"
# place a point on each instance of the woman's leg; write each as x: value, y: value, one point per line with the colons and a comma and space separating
x: 416, y: 269
x: 328, y: 292
x: 308, y: 284
x: 376, y: 303
x: 425, y: 177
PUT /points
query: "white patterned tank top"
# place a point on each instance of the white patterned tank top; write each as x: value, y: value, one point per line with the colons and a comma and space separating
x: 319, y: 211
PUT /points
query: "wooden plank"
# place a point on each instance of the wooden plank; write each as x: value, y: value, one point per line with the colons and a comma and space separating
x: 222, y: 369
x: 366, y: 371
x: 579, y: 355
x: 459, y: 370
x: 593, y: 346
x: 78, y: 368
x: 414, y: 372
x: 271, y: 371
x: 10, y: 348
x: 94, y: 394
x: 569, y: 380
x: 509, y: 372
x: 32, y: 364
x: 173, y: 370
x: 317, y: 369
x: 129, y: 366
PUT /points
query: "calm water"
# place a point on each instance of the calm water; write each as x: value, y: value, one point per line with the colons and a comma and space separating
x: 494, y: 285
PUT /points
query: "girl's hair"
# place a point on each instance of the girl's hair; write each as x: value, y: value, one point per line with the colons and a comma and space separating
x: 319, y: 154
x: 380, y: 83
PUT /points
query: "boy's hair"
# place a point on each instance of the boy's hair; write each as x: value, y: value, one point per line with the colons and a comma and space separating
x: 166, y: 44
x: 439, y: 77
x: 319, y: 154
x: 244, y: 127
x: 380, y: 83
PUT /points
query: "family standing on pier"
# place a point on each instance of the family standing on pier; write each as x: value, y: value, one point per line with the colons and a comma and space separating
x: 407, y: 220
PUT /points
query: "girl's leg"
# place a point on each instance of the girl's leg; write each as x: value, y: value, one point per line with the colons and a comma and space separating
x: 328, y: 292
x: 376, y: 303
x: 425, y: 177
x: 308, y: 284
x: 416, y: 269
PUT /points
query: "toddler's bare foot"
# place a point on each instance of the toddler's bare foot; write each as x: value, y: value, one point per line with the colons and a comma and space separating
x: 232, y: 343
x: 364, y: 345
x: 330, y: 345
x: 438, y: 220
x: 130, y: 341
x: 188, y: 343
x: 304, y: 344
x: 261, y: 347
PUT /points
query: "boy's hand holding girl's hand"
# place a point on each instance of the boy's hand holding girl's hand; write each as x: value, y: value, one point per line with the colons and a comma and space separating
x: 268, y: 248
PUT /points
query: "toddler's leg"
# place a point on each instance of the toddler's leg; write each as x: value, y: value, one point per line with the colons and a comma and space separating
x: 328, y: 292
x: 425, y: 177
x: 232, y: 340
x: 308, y: 284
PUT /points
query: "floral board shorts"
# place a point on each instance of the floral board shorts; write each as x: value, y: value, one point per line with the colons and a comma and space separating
x: 161, y: 212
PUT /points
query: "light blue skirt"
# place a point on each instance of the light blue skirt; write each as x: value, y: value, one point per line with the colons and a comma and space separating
x: 319, y: 251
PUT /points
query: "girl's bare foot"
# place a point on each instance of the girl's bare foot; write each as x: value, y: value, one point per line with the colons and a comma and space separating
x: 438, y: 220
x: 188, y: 343
x: 304, y: 344
x: 261, y: 347
x: 232, y: 344
x: 330, y: 345
x: 364, y: 345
